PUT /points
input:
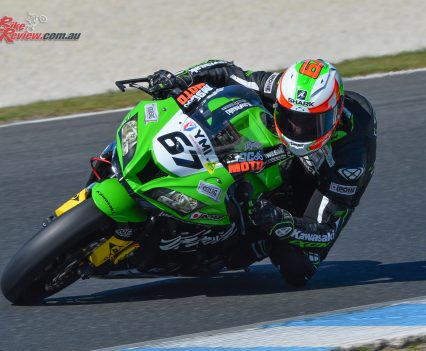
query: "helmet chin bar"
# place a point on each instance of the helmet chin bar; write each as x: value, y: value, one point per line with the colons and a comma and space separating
x: 302, y: 149
x: 296, y: 148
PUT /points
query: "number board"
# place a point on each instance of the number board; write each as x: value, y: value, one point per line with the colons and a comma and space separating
x: 182, y: 146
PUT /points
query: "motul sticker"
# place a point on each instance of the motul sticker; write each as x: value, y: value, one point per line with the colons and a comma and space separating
x: 342, y: 189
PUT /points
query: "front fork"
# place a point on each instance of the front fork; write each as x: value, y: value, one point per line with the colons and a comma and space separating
x: 112, y: 199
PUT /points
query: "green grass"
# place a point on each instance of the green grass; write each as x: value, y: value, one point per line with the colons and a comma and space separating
x: 411, y: 346
x: 114, y: 100
x: 91, y: 103
x: 388, y: 63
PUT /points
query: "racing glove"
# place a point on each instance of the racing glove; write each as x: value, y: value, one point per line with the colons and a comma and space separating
x: 277, y: 222
x: 162, y: 83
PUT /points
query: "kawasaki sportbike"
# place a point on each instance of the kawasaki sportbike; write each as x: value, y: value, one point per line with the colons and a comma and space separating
x: 166, y: 198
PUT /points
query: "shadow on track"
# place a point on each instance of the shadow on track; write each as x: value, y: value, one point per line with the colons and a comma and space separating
x: 334, y: 274
x: 262, y: 279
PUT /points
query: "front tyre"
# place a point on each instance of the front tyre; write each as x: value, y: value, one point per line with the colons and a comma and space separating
x: 48, y: 262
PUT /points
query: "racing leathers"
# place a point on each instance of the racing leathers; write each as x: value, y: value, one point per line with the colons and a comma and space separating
x: 320, y: 190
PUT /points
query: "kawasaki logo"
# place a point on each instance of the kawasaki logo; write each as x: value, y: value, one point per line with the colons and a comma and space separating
x: 323, y: 238
x: 236, y: 108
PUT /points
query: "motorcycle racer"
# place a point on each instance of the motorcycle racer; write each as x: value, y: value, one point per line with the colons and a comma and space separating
x: 332, y: 135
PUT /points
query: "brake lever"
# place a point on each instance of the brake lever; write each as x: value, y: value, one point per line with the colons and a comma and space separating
x: 121, y: 84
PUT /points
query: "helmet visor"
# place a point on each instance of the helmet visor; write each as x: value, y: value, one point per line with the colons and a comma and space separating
x: 305, y: 126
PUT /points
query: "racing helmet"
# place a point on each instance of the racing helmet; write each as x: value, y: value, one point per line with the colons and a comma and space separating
x: 309, y: 105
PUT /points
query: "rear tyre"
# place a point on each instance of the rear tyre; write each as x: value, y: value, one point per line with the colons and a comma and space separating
x: 49, y: 261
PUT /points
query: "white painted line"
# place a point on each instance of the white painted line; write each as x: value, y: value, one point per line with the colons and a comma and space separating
x: 78, y: 115
x: 385, y: 74
x: 392, y: 322
x: 61, y: 118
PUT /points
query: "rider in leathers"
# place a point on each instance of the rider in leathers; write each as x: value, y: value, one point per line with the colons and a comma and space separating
x: 328, y: 174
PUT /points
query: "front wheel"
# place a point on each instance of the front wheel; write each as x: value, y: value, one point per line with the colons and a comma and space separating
x: 50, y: 260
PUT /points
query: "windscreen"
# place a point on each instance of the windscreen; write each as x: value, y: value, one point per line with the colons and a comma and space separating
x: 226, y: 103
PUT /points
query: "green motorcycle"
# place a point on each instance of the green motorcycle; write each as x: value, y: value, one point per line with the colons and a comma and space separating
x: 163, y: 199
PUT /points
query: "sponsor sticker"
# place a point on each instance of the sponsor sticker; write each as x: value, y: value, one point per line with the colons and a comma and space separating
x: 324, y: 238
x: 235, y: 108
x: 188, y: 126
x: 151, y: 113
x: 209, y: 64
x: 194, y: 93
x: 209, y: 190
x: 328, y: 155
x: 210, y: 217
x: 275, y: 155
x: 283, y: 232
x: 270, y: 83
x: 250, y: 161
x: 241, y: 167
x: 301, y: 94
x: 351, y: 173
x: 342, y: 189
x: 246, y: 156
x: 124, y: 232
x: 252, y: 145
x: 300, y: 102
x: 210, y: 166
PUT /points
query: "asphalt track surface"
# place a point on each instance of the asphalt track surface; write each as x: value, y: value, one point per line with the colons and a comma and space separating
x: 379, y: 257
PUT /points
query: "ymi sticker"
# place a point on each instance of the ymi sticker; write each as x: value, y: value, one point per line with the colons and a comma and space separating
x: 151, y: 113
x: 210, y: 190
x: 342, y: 189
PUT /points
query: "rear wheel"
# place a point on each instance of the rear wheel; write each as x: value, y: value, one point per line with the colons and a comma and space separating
x: 52, y: 259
